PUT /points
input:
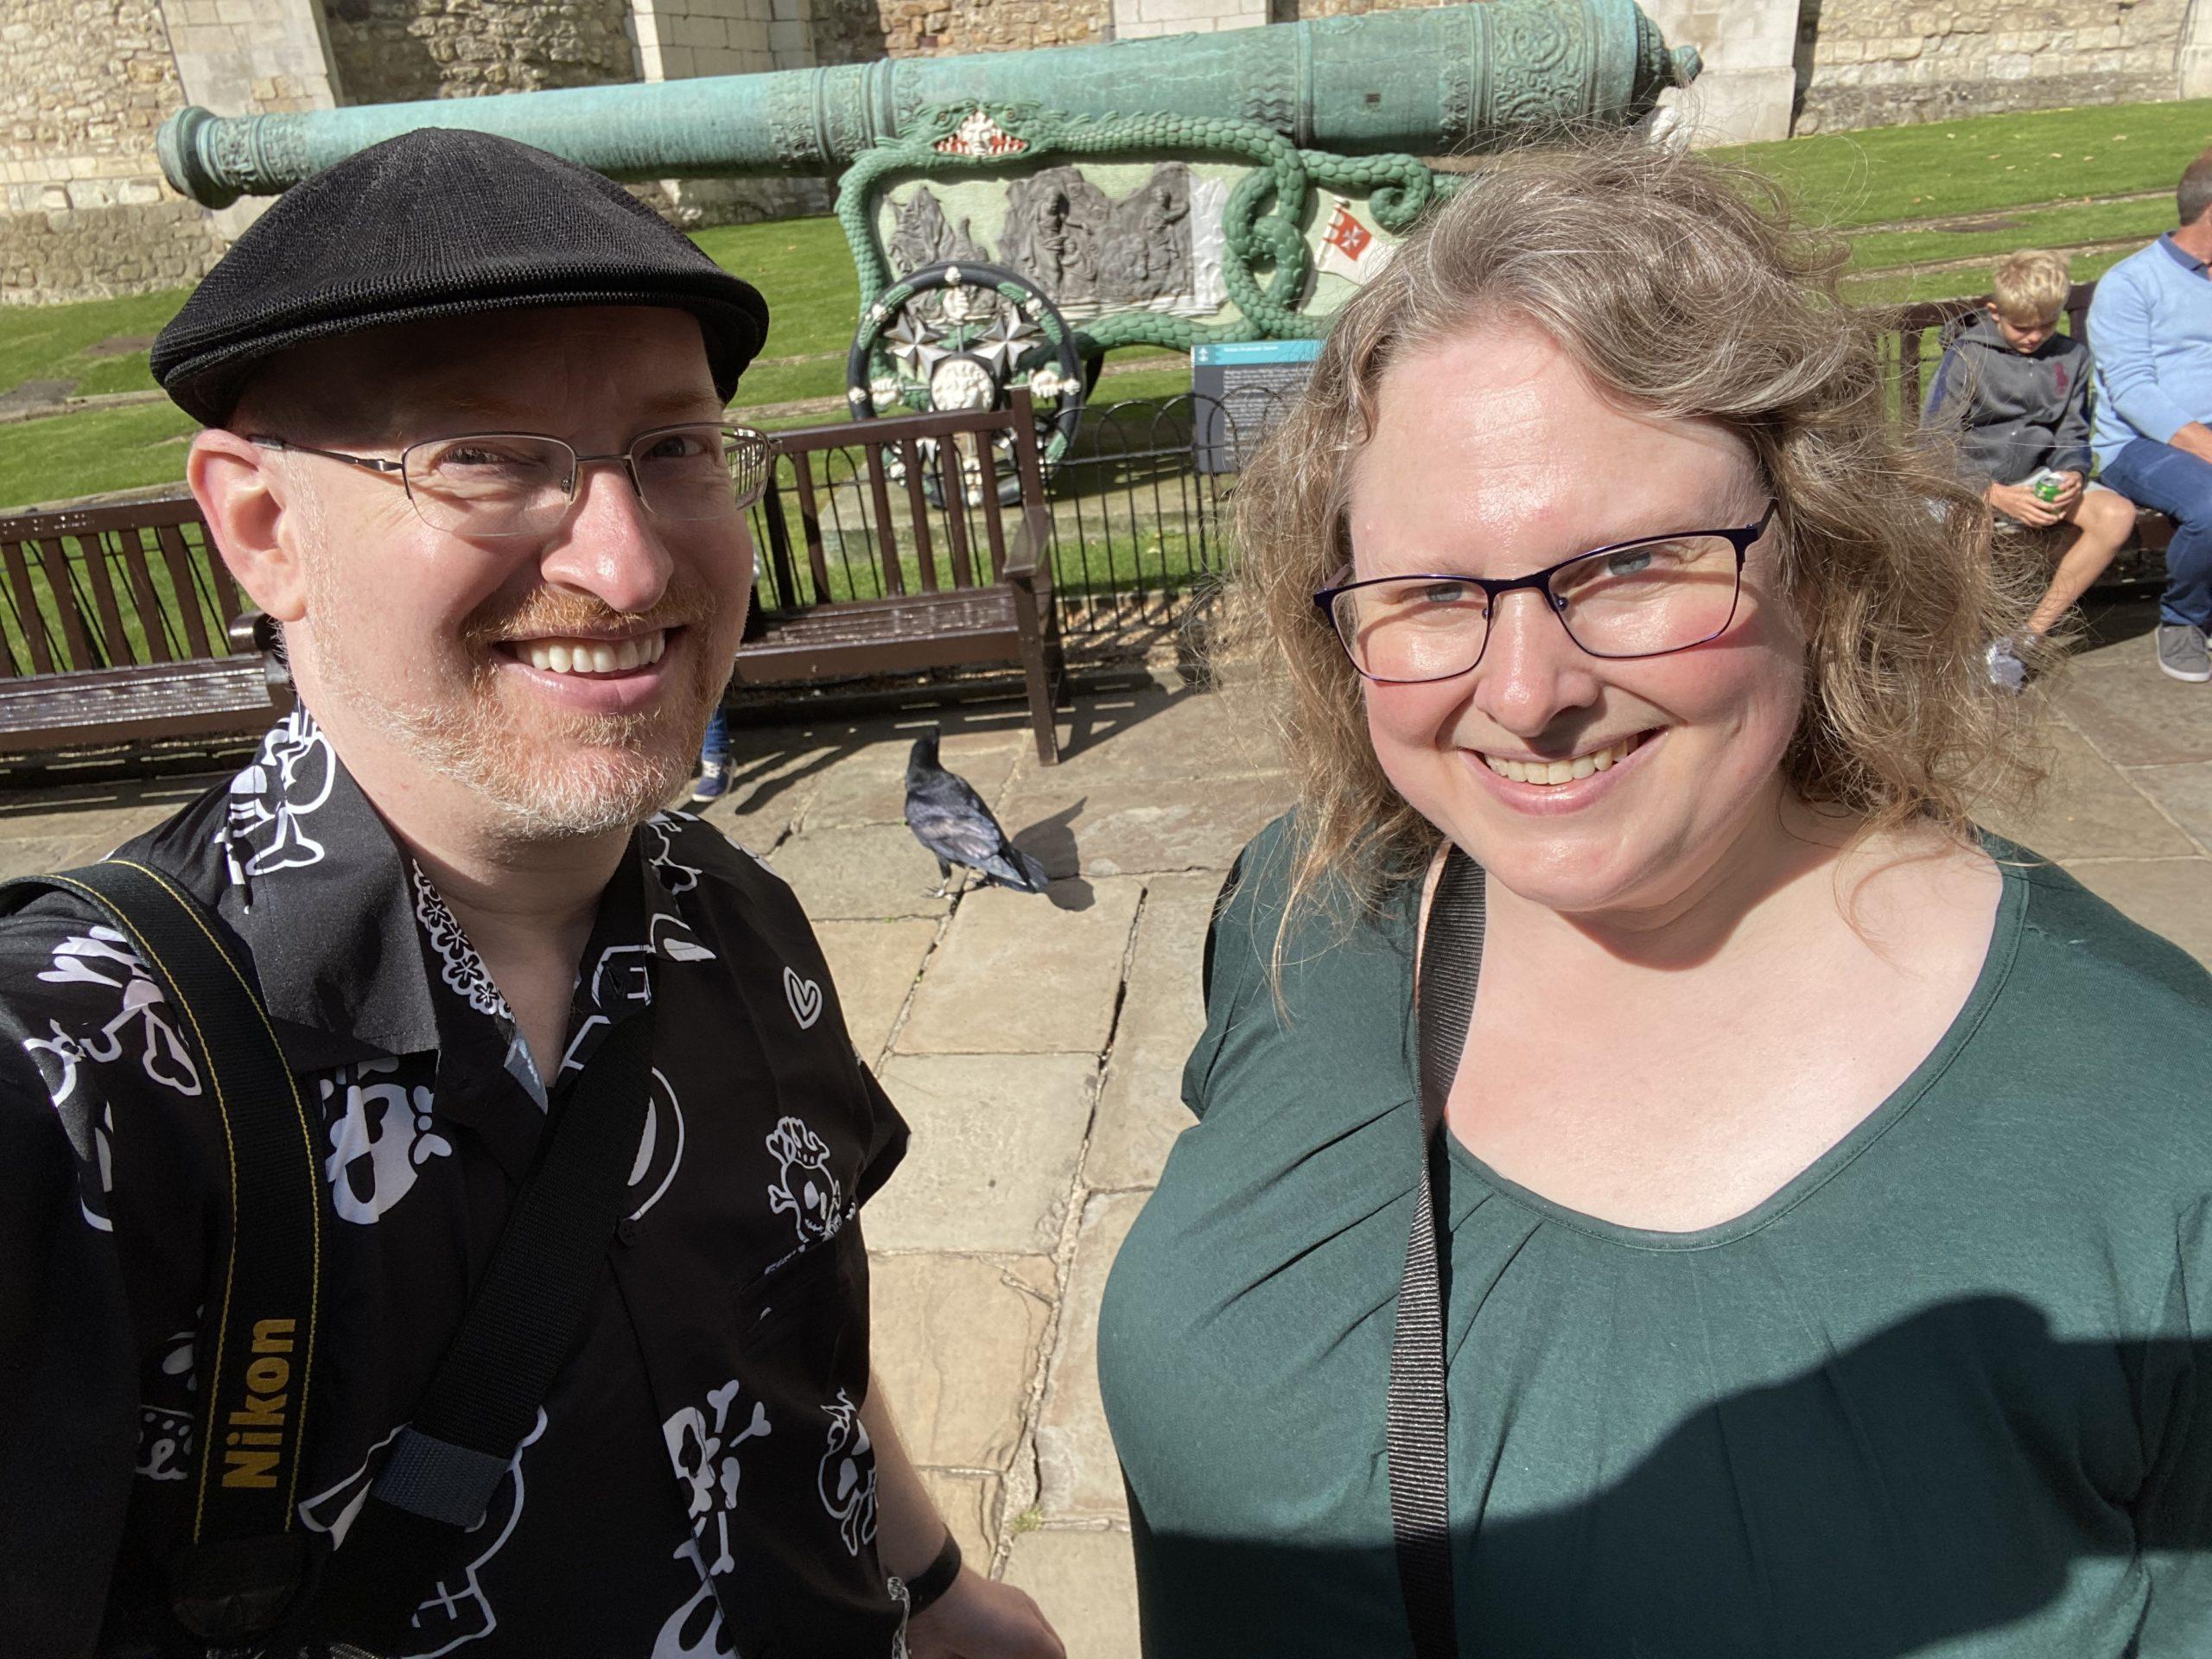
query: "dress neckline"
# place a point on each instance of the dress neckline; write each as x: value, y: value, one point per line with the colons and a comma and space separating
x: 2005, y: 936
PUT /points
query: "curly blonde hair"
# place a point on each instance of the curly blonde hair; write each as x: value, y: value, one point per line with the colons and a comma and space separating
x: 1683, y: 290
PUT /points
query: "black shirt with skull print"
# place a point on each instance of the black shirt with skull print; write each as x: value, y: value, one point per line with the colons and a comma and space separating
x: 699, y: 1483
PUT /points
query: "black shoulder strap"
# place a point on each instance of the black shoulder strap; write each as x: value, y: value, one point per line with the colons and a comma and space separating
x: 244, y: 1562
x: 483, y: 1402
x: 1420, y: 1517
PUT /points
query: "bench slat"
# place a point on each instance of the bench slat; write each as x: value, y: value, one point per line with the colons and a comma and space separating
x: 140, y: 570
x: 910, y: 454
x: 28, y: 617
x: 994, y: 513
x: 56, y: 562
x: 955, y: 491
x: 810, y: 521
x: 887, y: 533
x: 93, y: 547
x: 187, y: 590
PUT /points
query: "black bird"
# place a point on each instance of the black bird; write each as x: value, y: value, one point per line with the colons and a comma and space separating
x: 951, y: 820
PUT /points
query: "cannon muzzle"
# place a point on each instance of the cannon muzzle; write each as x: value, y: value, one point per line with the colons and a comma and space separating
x: 1430, y: 82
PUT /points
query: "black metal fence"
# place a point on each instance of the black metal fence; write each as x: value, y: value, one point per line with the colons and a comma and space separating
x: 1138, y: 515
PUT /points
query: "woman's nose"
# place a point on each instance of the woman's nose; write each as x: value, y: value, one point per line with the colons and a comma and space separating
x: 1531, y: 673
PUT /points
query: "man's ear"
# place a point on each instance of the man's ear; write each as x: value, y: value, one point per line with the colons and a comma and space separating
x: 241, y: 490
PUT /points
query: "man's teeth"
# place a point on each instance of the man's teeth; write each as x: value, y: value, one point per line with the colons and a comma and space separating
x: 1561, y: 772
x: 592, y: 656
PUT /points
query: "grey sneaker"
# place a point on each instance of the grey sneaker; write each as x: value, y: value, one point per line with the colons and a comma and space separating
x: 2007, y: 672
x: 2182, y: 652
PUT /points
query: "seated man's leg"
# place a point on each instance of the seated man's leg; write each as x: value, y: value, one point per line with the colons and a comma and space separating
x: 2180, y: 486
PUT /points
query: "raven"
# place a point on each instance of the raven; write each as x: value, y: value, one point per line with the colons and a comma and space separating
x: 951, y: 820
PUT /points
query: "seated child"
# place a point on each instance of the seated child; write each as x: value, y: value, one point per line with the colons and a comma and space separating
x: 2017, y: 391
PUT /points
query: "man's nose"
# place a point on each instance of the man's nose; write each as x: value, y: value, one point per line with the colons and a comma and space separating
x: 1531, y: 673
x: 610, y: 546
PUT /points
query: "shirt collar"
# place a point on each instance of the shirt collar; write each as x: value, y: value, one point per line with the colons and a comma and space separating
x: 2180, y: 255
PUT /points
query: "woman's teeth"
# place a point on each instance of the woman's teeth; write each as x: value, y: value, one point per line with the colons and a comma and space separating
x: 592, y: 656
x: 1561, y: 772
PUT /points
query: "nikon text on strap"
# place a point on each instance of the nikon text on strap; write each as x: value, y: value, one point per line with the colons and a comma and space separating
x: 245, y: 1560
x: 1421, y: 1515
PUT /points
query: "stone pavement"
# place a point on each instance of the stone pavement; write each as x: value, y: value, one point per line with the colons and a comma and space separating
x: 1036, y: 1042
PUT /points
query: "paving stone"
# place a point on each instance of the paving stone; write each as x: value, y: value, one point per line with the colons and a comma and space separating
x: 2172, y: 896
x: 870, y: 787
x: 956, y: 1340
x: 969, y: 1505
x: 2137, y: 717
x: 2087, y: 808
x: 2185, y: 791
x: 1015, y: 975
x: 1138, y: 826
x: 996, y: 1139
x: 39, y: 854
x: 1152, y: 732
x: 771, y: 783
x: 1079, y: 1478
x: 1140, y: 1109
x: 869, y: 873
x: 1086, y: 1582
x: 873, y: 965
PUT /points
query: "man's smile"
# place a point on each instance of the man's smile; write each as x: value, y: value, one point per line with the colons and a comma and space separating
x: 582, y: 654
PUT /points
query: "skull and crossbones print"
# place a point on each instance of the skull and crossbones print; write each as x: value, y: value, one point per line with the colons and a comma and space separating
x: 703, y: 1449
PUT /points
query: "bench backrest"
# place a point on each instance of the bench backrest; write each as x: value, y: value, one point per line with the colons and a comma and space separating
x: 1915, y: 336
x: 881, y: 509
x: 102, y: 588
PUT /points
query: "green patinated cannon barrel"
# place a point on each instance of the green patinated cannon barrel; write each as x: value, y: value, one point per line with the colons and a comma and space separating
x: 1429, y: 82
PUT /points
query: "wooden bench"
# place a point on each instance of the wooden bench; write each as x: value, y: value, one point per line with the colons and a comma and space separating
x: 1918, y: 333
x: 120, y: 625
x: 903, y: 558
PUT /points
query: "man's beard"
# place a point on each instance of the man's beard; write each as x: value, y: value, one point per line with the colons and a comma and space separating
x: 549, y: 775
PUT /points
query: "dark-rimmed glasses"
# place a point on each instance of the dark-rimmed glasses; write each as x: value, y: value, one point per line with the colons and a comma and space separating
x: 490, y: 484
x: 1644, y: 598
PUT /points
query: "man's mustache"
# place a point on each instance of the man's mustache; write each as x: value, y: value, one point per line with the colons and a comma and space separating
x: 550, y: 613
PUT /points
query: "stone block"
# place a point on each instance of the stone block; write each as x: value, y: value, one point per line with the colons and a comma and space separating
x: 871, y: 872
x: 2087, y: 808
x: 1018, y: 976
x: 1140, y: 1109
x: 2133, y: 715
x: 873, y: 965
x: 956, y: 1340
x: 789, y: 36
x: 1079, y: 1478
x: 992, y: 1163
x: 870, y: 785
x: 1086, y: 1583
x: 1143, y: 827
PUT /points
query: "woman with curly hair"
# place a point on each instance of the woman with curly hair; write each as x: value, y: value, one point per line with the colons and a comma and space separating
x: 1666, y: 1183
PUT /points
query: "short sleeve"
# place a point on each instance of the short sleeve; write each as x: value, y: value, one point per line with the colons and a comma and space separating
x: 887, y: 1136
x: 2174, y: 1518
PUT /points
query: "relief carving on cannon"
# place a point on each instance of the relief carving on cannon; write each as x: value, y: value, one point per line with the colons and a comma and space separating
x: 1036, y: 209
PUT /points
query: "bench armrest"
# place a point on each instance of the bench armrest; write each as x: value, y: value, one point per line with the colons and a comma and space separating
x: 1029, y: 561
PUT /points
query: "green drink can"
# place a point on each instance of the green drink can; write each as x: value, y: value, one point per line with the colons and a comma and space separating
x: 2047, y: 489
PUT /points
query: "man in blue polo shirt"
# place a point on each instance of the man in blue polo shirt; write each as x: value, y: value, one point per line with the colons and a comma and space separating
x: 2150, y: 329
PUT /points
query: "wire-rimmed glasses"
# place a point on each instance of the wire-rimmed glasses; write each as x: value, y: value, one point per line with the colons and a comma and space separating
x: 491, y: 484
x: 1644, y: 598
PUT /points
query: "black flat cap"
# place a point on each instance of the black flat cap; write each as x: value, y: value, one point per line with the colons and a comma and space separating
x: 441, y: 222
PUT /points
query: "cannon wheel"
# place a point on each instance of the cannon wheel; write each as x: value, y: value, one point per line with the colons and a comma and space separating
x: 957, y: 335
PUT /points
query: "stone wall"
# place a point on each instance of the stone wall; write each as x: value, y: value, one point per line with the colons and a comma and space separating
x: 83, y: 210
x: 1867, y: 63
x: 390, y: 51
x: 860, y: 31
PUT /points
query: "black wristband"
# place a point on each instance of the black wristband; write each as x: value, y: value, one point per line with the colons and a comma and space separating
x: 933, y: 1580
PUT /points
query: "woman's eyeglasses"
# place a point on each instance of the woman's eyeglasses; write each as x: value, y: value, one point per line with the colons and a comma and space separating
x: 1644, y: 598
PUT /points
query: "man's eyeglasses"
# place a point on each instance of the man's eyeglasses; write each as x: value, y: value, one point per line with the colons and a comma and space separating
x: 1643, y: 598
x: 488, y: 484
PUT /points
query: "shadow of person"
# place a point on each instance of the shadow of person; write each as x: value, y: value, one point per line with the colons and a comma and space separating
x: 1964, y: 1481
x: 1051, y: 843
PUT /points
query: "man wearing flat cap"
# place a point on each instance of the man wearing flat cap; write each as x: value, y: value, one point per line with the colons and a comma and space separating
x: 465, y: 445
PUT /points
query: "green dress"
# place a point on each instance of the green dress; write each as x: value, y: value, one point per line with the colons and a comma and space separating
x: 1947, y: 1392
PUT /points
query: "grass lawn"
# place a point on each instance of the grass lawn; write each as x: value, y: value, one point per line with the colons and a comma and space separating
x: 2051, y: 174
